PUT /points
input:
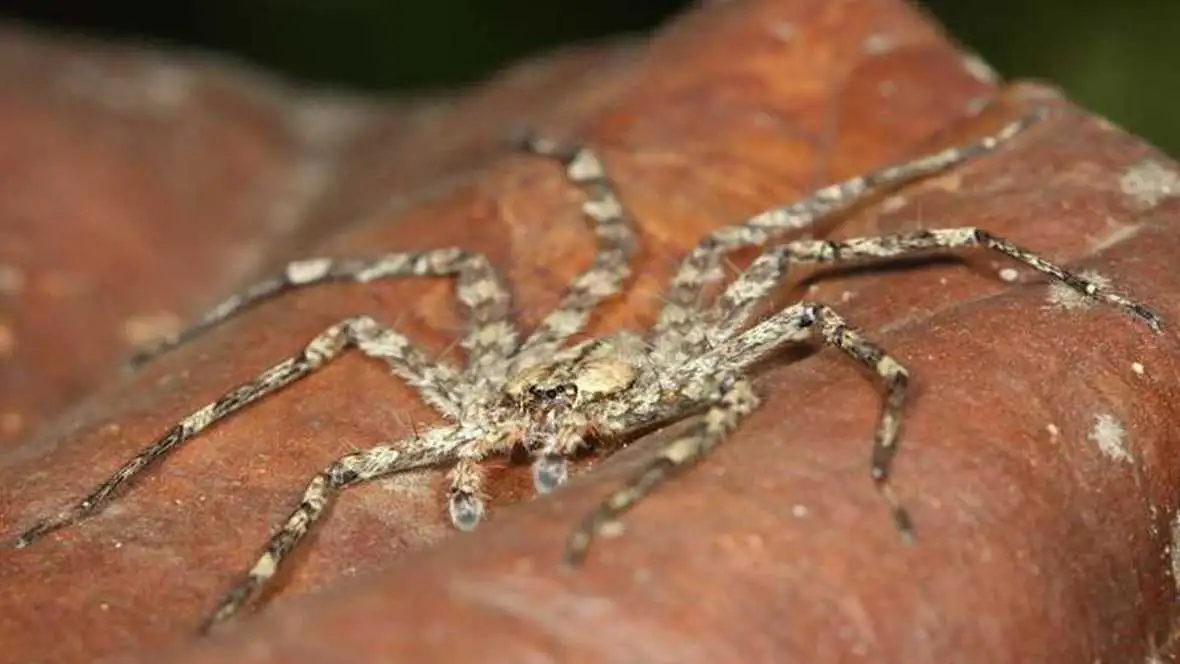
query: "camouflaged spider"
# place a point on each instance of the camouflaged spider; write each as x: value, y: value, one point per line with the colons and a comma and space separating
x: 553, y: 399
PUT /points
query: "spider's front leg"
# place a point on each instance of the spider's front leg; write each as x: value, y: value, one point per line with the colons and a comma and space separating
x: 431, y: 448
x: 616, y: 245
x: 734, y: 398
x: 610, y: 267
x: 679, y: 333
x: 435, y: 381
x: 805, y: 320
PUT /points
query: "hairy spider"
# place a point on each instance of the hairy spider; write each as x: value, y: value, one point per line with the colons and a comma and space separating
x: 554, y: 399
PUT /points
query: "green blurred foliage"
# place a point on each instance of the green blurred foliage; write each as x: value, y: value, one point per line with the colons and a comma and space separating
x: 1116, y: 58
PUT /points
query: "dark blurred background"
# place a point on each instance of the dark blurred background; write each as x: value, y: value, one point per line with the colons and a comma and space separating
x: 1118, y: 58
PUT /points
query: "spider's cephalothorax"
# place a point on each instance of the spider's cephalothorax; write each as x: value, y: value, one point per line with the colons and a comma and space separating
x: 551, y: 399
x: 563, y: 401
x: 550, y: 407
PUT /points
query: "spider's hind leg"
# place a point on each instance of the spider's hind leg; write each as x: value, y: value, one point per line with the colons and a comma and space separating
x: 805, y: 320
x: 435, y: 381
x: 734, y: 399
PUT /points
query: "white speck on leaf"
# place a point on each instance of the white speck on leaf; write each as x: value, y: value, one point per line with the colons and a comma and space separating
x: 1065, y: 297
x: 1110, y: 437
x: 1148, y: 182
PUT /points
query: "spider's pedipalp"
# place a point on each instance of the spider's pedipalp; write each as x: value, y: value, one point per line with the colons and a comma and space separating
x: 349, y: 470
x: 734, y: 400
x: 677, y: 334
x: 616, y: 244
x: 432, y: 378
x: 466, y: 509
x: 465, y: 500
x: 549, y: 471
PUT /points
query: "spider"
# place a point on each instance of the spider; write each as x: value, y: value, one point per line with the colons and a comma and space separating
x: 553, y: 398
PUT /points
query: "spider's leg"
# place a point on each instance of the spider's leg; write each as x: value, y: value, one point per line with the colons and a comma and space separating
x: 678, y: 333
x: 363, y: 332
x: 616, y: 244
x: 490, y: 338
x: 355, y: 468
x: 735, y: 399
x: 733, y: 308
x: 802, y: 321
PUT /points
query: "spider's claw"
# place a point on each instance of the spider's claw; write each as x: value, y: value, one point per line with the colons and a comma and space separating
x: 905, y: 525
x: 36, y: 532
x: 578, y: 542
x: 576, y: 546
x: 549, y: 472
x: 599, y: 523
x: 901, y: 516
x: 467, y: 510
x: 1153, y: 320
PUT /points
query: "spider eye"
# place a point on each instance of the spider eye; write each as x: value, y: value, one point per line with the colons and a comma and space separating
x: 553, y: 393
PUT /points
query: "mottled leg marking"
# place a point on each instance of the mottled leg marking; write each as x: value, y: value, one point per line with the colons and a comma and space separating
x: 733, y: 308
x: 676, y: 333
x: 800, y: 321
x: 735, y: 399
x: 347, y: 471
x: 490, y: 338
x: 374, y: 340
x: 617, y: 243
